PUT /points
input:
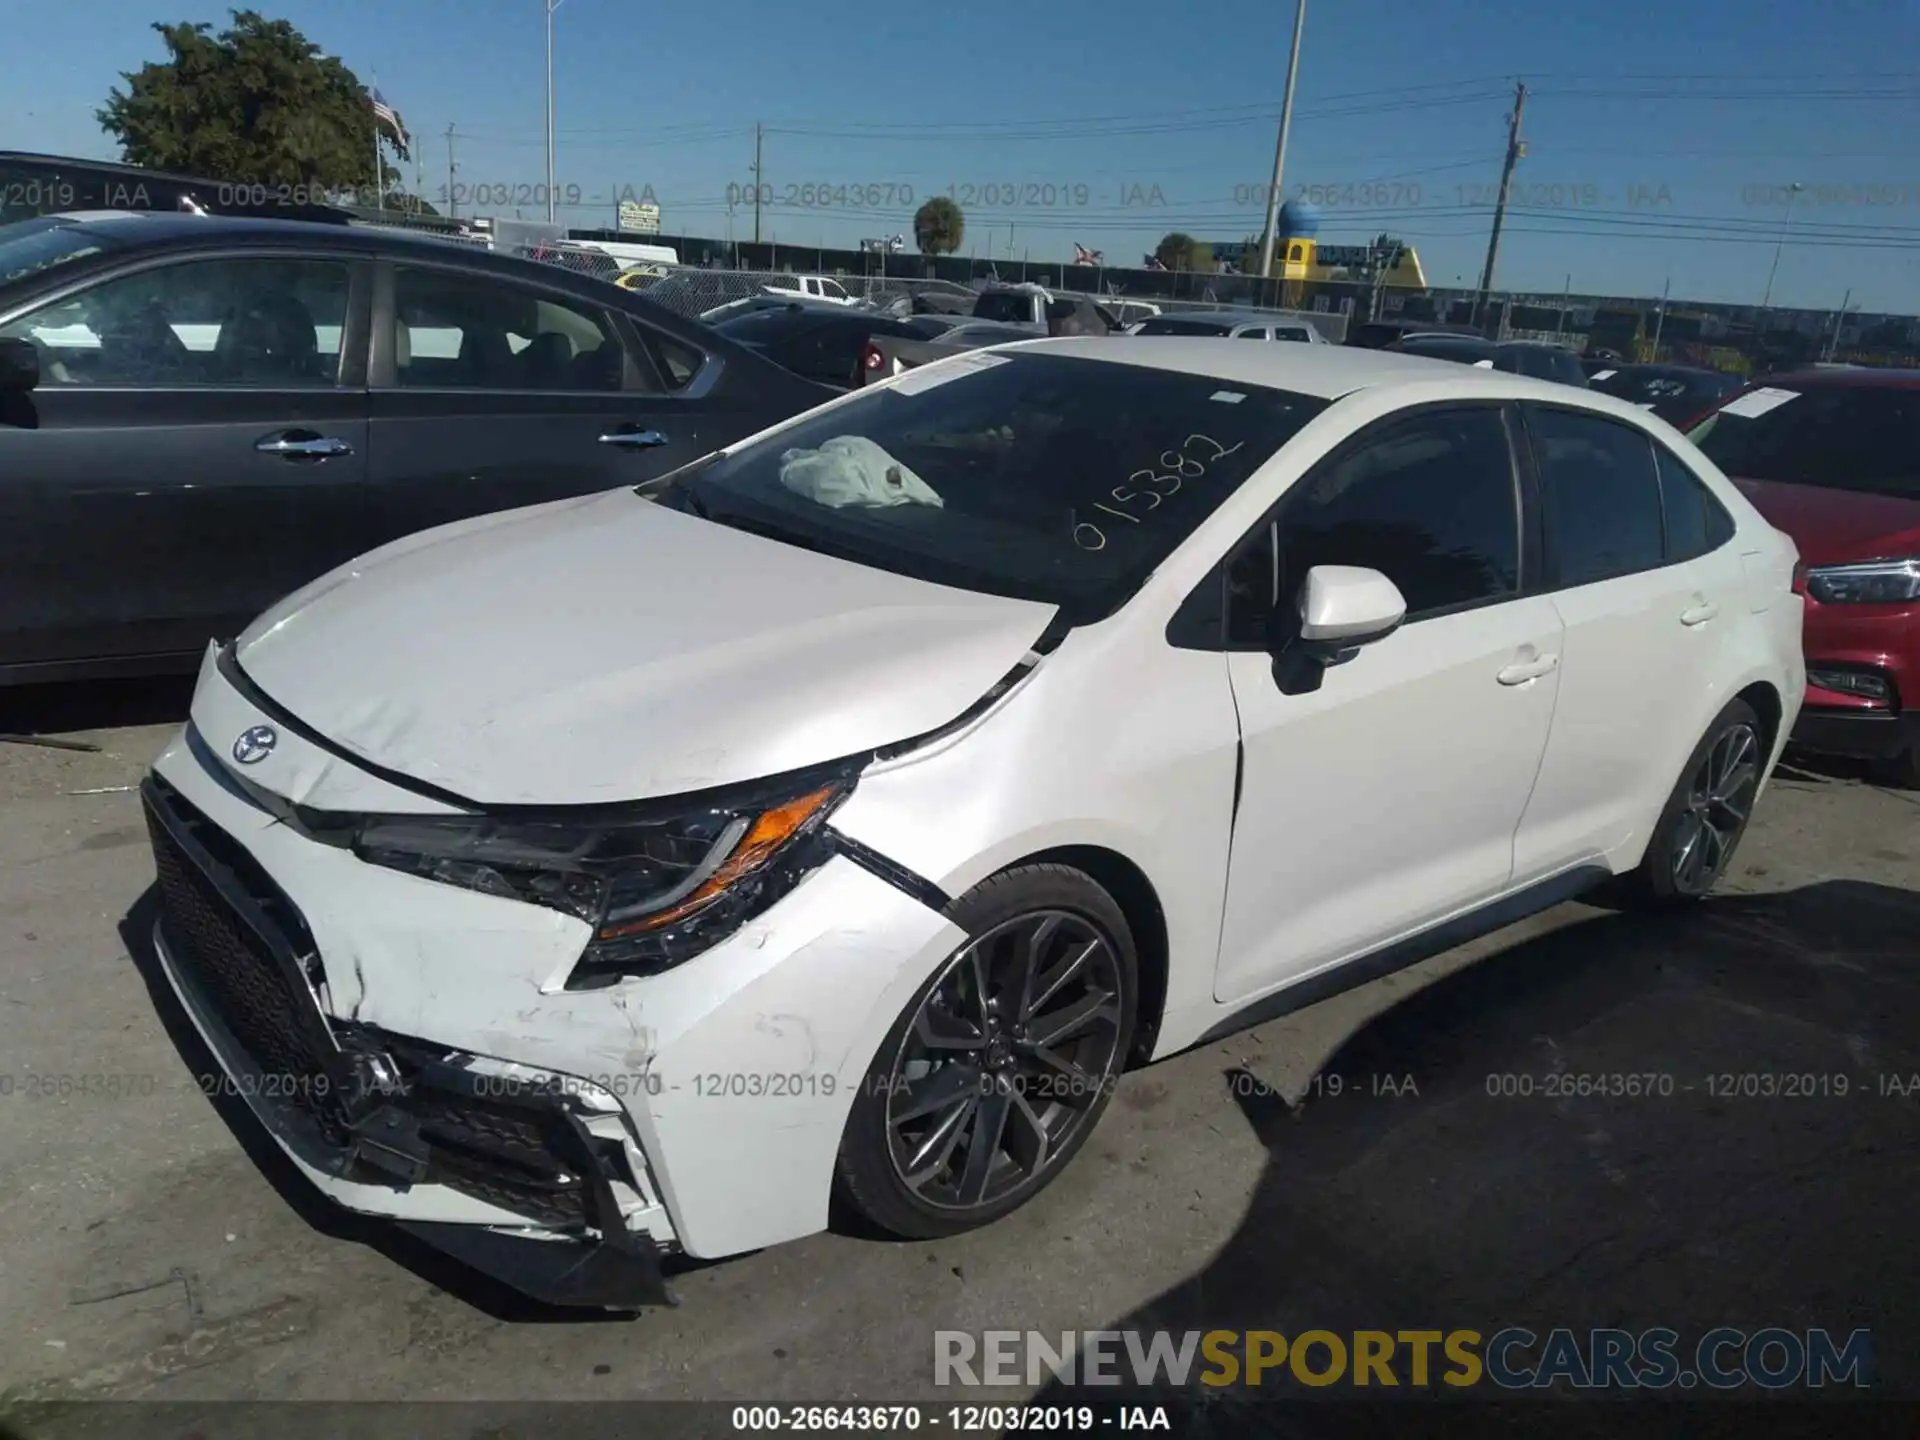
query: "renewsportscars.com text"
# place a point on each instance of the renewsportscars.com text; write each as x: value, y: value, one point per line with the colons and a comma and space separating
x: 1514, y: 1358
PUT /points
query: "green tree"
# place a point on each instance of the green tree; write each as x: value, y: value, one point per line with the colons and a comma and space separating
x: 257, y: 104
x: 939, y: 226
x: 1180, y: 251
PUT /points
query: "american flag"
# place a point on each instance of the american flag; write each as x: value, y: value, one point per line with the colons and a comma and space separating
x: 1084, y: 256
x: 385, y: 112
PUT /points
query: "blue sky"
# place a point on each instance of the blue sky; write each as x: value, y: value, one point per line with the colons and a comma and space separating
x: 1657, y: 133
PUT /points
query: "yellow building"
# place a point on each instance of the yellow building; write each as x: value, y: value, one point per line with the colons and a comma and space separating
x: 1310, y: 260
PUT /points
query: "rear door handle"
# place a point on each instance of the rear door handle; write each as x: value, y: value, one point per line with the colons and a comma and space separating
x: 634, y: 439
x: 1700, y: 614
x: 302, y: 445
x: 1522, y: 671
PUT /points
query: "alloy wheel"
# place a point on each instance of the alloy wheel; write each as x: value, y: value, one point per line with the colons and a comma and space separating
x: 1007, y: 1058
x: 1719, y: 800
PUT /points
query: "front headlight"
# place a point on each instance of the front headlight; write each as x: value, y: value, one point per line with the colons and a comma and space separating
x: 657, y: 891
x: 1878, y: 582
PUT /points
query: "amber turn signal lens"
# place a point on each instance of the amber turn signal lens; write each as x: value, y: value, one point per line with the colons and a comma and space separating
x: 773, y: 829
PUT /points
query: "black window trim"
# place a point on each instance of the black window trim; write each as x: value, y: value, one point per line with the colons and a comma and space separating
x: 635, y: 374
x: 350, y: 370
x: 1550, y: 569
x: 1200, y: 621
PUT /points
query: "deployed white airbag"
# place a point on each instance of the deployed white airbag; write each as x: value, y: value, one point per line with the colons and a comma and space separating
x: 852, y: 470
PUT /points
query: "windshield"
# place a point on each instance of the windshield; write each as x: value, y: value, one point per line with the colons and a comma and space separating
x: 1664, y: 390
x: 1465, y: 351
x: 1840, y: 437
x: 1043, y: 477
x: 1175, y: 325
x: 34, y: 245
x: 1004, y: 305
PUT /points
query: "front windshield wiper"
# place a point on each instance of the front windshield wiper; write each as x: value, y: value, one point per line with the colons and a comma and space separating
x: 673, y: 486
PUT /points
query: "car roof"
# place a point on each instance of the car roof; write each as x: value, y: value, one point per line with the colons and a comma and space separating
x: 1239, y: 317
x: 1877, y: 378
x: 1689, y: 371
x: 128, y: 232
x: 161, y: 227
x: 1325, y: 371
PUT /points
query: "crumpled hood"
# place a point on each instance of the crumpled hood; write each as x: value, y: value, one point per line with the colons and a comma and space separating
x: 609, y: 648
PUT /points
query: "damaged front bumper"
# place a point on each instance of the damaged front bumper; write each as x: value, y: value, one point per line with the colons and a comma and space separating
x: 414, y: 1049
x: 531, y: 1176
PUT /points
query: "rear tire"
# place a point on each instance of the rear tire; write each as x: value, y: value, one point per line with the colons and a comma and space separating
x: 1705, y: 816
x: 1000, y: 1066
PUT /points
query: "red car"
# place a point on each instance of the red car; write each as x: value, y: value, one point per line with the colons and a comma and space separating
x: 1832, y: 457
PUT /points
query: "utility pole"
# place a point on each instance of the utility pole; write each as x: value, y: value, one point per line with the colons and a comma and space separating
x: 453, y: 195
x: 1834, y: 343
x: 1515, y: 149
x: 1280, y: 145
x: 1566, y: 294
x: 552, y: 5
x: 1793, y: 193
x: 757, y: 134
x: 1660, y: 320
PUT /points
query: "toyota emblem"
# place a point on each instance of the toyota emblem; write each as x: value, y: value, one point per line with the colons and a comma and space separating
x: 255, y: 745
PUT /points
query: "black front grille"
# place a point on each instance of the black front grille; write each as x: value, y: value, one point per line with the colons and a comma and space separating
x: 512, y: 1156
x: 235, y: 966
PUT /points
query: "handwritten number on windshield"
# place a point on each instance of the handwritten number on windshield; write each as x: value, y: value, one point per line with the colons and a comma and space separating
x: 1150, y: 487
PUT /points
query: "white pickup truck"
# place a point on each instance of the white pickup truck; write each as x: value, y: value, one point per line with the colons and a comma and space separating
x: 812, y: 287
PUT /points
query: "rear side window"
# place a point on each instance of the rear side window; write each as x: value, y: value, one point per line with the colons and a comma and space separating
x: 1600, y: 495
x: 1696, y: 522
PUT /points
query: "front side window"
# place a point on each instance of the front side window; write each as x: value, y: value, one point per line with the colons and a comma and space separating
x: 1429, y: 501
x: 235, y: 322
x: 1046, y: 477
x: 1600, y: 496
x: 472, y: 332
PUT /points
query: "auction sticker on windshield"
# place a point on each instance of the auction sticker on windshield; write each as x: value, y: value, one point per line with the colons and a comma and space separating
x: 916, y: 382
x: 1756, y: 403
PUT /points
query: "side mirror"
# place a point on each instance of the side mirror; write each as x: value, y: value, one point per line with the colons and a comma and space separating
x: 19, y: 366
x: 1341, y: 609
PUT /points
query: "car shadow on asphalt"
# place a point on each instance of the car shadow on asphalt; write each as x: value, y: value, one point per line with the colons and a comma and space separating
x: 1598, y: 1127
x: 334, y: 1221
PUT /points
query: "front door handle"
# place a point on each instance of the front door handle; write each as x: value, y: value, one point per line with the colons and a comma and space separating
x: 634, y: 439
x: 1699, y: 614
x: 302, y: 445
x: 1522, y: 671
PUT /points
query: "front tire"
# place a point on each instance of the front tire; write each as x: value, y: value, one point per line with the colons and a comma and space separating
x: 1707, y: 813
x: 1000, y: 1066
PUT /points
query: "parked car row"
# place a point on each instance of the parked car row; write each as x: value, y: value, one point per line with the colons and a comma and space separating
x: 174, y: 387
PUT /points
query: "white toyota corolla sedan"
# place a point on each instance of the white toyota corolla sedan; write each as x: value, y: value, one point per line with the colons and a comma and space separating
x: 627, y: 876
